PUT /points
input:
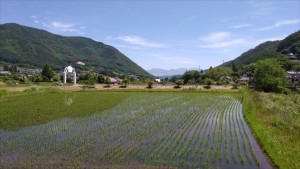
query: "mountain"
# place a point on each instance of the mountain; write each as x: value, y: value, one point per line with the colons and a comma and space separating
x: 269, y: 49
x: 262, y: 51
x: 30, y: 47
x: 164, y: 72
x: 290, y: 44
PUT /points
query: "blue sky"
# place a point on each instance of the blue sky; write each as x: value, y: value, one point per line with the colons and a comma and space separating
x: 164, y: 34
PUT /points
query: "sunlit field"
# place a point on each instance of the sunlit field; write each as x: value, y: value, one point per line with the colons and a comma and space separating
x: 140, y: 130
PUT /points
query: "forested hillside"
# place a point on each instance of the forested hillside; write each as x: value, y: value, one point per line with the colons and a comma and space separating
x: 29, y: 47
x: 270, y: 49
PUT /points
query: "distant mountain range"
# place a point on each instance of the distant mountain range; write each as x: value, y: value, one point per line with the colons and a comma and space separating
x: 169, y: 72
x: 33, y: 48
x: 270, y: 49
x: 165, y: 72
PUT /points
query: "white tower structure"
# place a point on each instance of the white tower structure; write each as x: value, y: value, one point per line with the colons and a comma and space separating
x: 69, y: 69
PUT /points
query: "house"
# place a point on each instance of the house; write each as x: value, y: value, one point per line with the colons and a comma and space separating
x: 243, y: 80
x: 80, y: 63
x: 116, y: 80
x: 293, y: 58
x: 226, y: 78
x: 157, y: 80
x: 5, y: 72
x: 293, y: 76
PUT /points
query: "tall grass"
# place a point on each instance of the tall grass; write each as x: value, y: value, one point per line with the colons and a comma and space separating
x: 275, y: 121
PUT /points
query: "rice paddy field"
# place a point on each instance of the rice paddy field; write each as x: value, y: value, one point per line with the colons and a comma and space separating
x: 115, y: 129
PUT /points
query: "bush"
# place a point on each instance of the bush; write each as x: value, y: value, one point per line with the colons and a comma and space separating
x: 235, y: 86
x: 206, y: 87
x: 150, y: 83
x: 178, y: 83
x: 208, y: 81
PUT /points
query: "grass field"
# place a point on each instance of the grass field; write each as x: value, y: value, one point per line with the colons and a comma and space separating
x: 31, y: 108
x: 111, y: 129
x: 275, y: 120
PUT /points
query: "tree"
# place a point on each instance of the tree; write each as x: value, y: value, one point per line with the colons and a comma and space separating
x: 47, y: 73
x: 125, y: 81
x: 269, y: 76
x: 150, y: 83
x: 88, y: 78
x: 91, y: 79
x: 217, y: 73
x: 178, y: 83
x: 5, y: 67
x: 107, y: 81
x: 189, y: 75
x: 173, y: 79
x: 101, y: 79
x: 208, y: 81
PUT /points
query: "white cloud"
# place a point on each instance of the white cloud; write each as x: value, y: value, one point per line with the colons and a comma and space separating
x: 224, y: 44
x: 65, y: 27
x: 220, y: 40
x: 136, y: 40
x: 36, y: 21
x: 279, y: 24
x: 259, y: 41
x: 217, y: 36
x: 33, y: 17
x: 241, y: 26
x: 60, y: 25
x: 287, y: 22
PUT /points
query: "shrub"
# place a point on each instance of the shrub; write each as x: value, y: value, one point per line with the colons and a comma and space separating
x: 150, y: 83
x: 235, y: 86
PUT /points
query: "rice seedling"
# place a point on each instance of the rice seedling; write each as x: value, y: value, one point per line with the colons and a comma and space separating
x: 159, y: 129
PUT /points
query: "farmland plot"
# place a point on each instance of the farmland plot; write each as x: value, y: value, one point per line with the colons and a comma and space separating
x: 147, y: 130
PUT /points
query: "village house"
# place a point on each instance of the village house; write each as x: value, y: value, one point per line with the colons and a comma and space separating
x: 243, y: 80
x: 158, y: 80
x: 293, y: 58
x: 5, y: 72
x: 116, y: 80
x: 293, y: 76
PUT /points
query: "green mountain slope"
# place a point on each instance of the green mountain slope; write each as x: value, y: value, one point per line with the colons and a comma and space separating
x: 270, y: 49
x: 30, y: 47
x: 262, y: 51
x: 290, y: 44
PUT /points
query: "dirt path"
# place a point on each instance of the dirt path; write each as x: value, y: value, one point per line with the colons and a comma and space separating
x: 129, y: 87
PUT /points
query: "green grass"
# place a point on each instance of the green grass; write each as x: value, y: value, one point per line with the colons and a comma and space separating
x: 41, y: 105
x: 36, y: 107
x: 275, y: 121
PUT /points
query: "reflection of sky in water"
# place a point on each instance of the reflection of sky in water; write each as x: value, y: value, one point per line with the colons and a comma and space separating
x: 69, y: 99
x: 155, y: 116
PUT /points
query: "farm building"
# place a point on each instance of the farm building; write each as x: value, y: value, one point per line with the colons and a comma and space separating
x: 116, y: 80
x: 243, y: 80
x: 5, y: 72
x: 80, y: 63
x: 293, y: 76
x: 293, y: 58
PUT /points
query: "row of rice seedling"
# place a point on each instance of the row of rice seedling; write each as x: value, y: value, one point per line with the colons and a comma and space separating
x: 180, y: 130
